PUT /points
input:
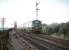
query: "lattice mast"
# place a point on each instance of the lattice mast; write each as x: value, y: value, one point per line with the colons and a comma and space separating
x: 37, y: 9
x: 3, y: 22
x: 15, y: 25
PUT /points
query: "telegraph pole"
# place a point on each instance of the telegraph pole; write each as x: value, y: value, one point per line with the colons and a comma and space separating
x: 15, y: 25
x: 37, y: 9
x: 3, y: 23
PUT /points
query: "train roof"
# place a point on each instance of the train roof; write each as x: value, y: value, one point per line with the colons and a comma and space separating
x: 36, y: 20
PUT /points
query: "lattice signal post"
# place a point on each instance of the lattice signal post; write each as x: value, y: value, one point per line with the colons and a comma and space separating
x: 3, y: 23
x: 37, y: 9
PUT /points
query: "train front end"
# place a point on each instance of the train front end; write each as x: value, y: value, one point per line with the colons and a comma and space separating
x: 36, y: 26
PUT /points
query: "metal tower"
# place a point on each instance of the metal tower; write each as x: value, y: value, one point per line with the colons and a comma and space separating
x: 15, y: 25
x: 37, y: 10
x: 3, y: 22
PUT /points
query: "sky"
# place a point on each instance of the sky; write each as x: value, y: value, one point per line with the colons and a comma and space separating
x: 22, y: 11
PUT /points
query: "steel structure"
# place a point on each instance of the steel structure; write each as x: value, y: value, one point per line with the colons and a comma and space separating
x: 37, y: 10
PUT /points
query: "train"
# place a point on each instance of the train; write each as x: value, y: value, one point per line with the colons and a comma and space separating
x: 36, y: 26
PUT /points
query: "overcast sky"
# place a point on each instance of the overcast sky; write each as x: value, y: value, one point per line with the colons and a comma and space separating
x: 24, y: 10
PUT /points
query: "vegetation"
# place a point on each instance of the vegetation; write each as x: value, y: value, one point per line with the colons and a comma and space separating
x: 59, y: 29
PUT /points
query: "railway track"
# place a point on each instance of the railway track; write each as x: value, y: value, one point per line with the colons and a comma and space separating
x: 57, y: 40
x: 39, y: 42
x: 42, y: 42
x: 19, y: 43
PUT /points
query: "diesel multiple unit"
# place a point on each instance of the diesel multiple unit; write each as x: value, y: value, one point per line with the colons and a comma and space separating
x: 36, y: 26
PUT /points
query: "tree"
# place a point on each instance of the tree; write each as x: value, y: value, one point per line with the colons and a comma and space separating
x: 67, y: 26
x: 62, y: 29
x: 49, y: 30
x: 44, y: 28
